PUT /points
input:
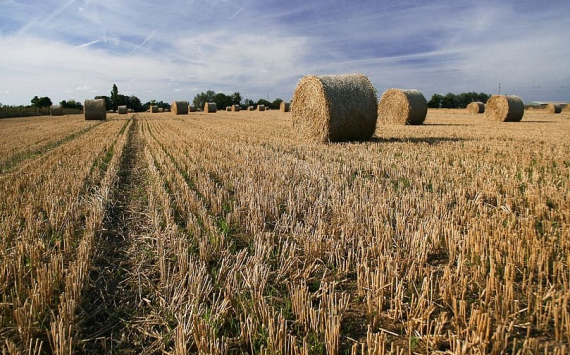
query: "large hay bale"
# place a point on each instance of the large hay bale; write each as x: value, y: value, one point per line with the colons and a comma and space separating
x: 210, y: 107
x: 284, y: 106
x: 334, y: 108
x: 192, y: 108
x: 260, y: 107
x: 250, y: 108
x: 56, y: 110
x: 505, y: 108
x: 122, y: 110
x: 94, y: 109
x: 476, y: 107
x: 180, y: 107
x: 405, y: 107
x: 236, y: 108
x: 554, y: 108
x: 153, y: 109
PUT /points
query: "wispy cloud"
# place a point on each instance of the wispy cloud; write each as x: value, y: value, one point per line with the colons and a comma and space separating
x: 260, y: 47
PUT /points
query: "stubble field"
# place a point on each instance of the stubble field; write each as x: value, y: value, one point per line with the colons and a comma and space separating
x: 225, y: 234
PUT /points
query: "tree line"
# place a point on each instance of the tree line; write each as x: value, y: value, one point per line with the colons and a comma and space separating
x: 457, y: 101
x: 115, y: 99
x: 222, y: 100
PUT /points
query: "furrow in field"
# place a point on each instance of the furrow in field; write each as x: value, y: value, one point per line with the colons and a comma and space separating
x: 45, y: 263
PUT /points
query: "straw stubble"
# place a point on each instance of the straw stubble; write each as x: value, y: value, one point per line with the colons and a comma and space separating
x: 334, y: 108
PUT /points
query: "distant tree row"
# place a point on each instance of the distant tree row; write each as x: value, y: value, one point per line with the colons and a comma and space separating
x: 457, y: 101
x: 222, y: 100
x: 115, y: 100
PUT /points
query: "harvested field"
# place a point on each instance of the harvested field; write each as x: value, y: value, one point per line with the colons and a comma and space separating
x: 221, y: 234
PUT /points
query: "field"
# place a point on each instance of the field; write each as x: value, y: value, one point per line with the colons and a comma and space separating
x: 225, y: 234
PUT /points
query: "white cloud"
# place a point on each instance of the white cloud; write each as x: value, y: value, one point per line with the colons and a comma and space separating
x: 264, y: 47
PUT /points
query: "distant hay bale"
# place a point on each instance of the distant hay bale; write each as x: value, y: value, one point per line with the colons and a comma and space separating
x: 260, y: 107
x: 284, y: 106
x: 130, y: 110
x: 228, y: 108
x: 554, y: 108
x: 334, y: 108
x: 153, y: 109
x: 160, y: 109
x: 192, y: 108
x: 122, y: 110
x: 250, y: 108
x: 56, y: 110
x: 210, y: 107
x: 476, y: 107
x: 405, y: 107
x: 180, y: 107
x: 236, y: 108
x: 94, y: 109
x: 504, y: 108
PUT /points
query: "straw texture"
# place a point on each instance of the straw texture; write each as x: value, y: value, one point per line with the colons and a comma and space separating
x: 56, y: 110
x: 285, y: 107
x: 504, y: 108
x: 94, y: 110
x: 476, y: 107
x: 210, y: 107
x: 180, y: 107
x: 554, y: 108
x: 404, y: 107
x: 335, y: 108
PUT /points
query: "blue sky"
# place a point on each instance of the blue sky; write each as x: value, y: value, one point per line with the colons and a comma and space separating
x: 172, y: 50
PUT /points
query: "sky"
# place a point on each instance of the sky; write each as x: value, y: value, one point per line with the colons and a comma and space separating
x: 174, y: 49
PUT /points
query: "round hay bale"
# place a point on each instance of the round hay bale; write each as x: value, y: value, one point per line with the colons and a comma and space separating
x: 228, y: 108
x: 476, y: 107
x: 192, y: 108
x: 160, y: 109
x: 236, y: 108
x: 56, y: 110
x: 180, y: 107
x: 122, y: 110
x: 131, y: 110
x: 260, y: 107
x: 504, y: 108
x: 284, y: 106
x: 334, y: 108
x: 554, y: 108
x: 94, y: 109
x: 405, y: 107
x: 210, y: 107
x: 250, y: 108
x: 153, y: 109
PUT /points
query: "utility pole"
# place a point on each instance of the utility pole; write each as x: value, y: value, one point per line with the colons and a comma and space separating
x: 499, y: 88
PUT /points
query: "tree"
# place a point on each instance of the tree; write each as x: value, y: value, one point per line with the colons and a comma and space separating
x: 263, y: 102
x: 276, y: 104
x: 71, y: 104
x: 203, y: 97
x: 41, y: 101
x: 114, y: 97
x: 248, y: 102
x: 435, y: 101
x: 236, y: 98
x: 222, y: 100
x: 134, y: 103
